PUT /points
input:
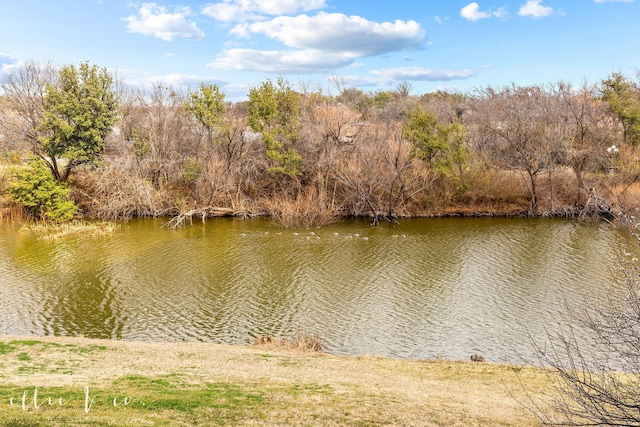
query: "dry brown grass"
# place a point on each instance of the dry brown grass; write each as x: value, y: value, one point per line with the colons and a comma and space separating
x: 494, y: 188
x: 307, y: 209
x: 627, y: 195
x: 300, y: 387
x: 302, y: 340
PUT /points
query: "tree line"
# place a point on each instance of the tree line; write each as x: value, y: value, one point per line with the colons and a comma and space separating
x: 305, y: 157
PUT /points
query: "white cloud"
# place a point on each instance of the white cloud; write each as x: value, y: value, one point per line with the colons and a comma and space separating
x: 6, y: 60
x: 277, y: 61
x: 177, y: 81
x: 501, y: 12
x: 251, y: 10
x: 318, y: 43
x: 422, y: 74
x: 535, y: 9
x: 356, y: 81
x: 336, y: 32
x: 229, y: 12
x: 235, y: 92
x: 157, y: 21
x: 472, y: 12
x: 389, y: 76
x: 8, y: 65
x: 241, y: 31
x: 452, y: 89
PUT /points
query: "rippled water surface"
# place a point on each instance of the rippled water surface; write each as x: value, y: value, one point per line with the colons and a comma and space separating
x: 420, y: 288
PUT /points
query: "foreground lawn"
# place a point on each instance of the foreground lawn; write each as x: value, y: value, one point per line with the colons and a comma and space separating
x: 82, y: 382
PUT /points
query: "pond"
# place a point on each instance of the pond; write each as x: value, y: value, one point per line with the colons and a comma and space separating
x: 417, y: 288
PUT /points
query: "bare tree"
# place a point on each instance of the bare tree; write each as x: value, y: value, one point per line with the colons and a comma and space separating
x: 404, y: 89
x: 162, y: 134
x: 356, y: 100
x: 594, y: 363
x: 446, y: 107
x: 335, y: 124
x: 589, y: 133
x: 22, y: 109
x: 516, y: 119
x: 378, y: 175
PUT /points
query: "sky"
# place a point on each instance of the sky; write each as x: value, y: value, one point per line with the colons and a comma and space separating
x: 329, y: 44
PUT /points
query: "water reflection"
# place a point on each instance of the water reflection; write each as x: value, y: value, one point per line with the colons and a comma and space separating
x: 418, y: 289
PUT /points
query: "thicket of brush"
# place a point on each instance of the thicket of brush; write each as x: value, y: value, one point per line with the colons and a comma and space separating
x: 305, y: 158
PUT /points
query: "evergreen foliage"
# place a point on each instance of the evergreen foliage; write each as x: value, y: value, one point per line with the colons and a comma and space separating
x: 441, y: 145
x: 623, y: 97
x: 78, y: 114
x: 274, y: 111
x: 35, y: 188
x: 208, y: 107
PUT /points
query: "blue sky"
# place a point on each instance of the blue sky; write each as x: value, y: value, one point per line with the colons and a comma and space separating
x: 372, y: 45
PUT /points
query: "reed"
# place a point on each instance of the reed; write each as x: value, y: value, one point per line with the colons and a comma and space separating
x: 302, y: 341
x: 13, y: 213
x: 305, y: 341
x: 54, y: 231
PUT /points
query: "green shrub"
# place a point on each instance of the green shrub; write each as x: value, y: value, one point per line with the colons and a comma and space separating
x: 13, y: 157
x: 191, y: 170
x: 35, y: 188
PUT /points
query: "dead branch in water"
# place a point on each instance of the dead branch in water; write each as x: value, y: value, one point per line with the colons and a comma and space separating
x: 180, y: 220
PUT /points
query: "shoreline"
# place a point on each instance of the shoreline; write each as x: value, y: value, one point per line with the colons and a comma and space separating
x: 295, y: 387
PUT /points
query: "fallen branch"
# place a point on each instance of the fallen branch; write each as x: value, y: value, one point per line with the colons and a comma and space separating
x: 180, y: 220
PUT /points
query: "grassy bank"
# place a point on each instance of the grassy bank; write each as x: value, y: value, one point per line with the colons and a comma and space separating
x: 77, y: 381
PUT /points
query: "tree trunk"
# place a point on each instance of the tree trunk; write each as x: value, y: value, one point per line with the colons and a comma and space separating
x: 534, y: 190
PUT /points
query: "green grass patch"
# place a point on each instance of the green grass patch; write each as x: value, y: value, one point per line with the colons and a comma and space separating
x: 314, y: 389
x: 286, y: 362
x: 61, y: 370
x: 6, y: 348
x: 164, y: 400
x: 24, y: 357
x: 131, y: 398
x: 27, y: 370
x: 90, y: 349
x: 266, y: 356
x: 231, y: 401
x: 30, y: 343
x: 43, y: 346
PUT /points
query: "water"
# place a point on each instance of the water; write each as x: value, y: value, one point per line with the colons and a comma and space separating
x: 420, y: 288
